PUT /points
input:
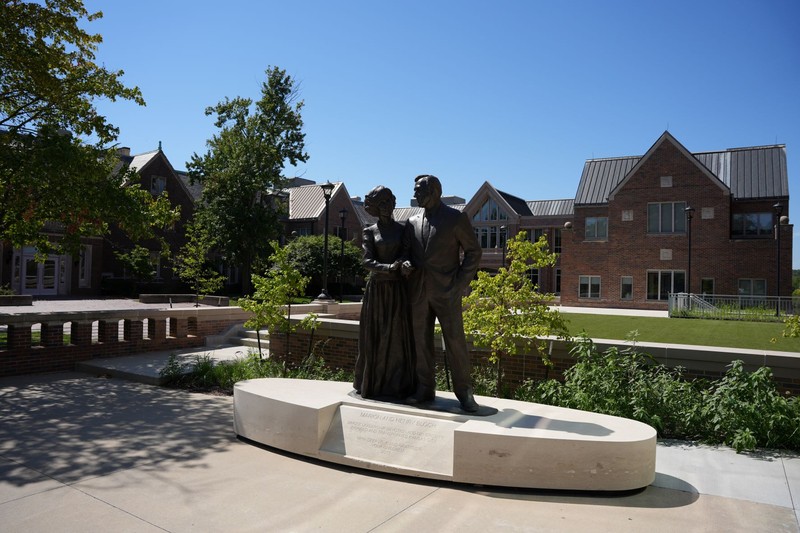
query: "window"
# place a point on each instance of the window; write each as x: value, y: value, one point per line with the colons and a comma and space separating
x: 626, y: 288
x: 557, y: 240
x: 596, y: 228
x: 666, y: 217
x: 157, y: 184
x: 707, y: 286
x: 535, y: 234
x: 660, y: 283
x: 533, y: 273
x: 155, y: 262
x: 558, y: 281
x: 752, y: 287
x: 589, y: 287
x: 491, y: 236
x: 85, y: 267
x: 751, y: 225
x: 489, y: 212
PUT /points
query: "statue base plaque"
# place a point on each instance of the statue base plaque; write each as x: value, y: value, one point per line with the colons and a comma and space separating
x: 522, y: 445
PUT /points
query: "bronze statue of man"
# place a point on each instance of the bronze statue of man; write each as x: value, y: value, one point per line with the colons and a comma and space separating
x: 437, y: 277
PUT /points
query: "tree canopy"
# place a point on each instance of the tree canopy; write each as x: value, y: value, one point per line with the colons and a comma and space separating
x: 305, y: 253
x: 242, y: 170
x: 56, y: 164
x: 506, y: 312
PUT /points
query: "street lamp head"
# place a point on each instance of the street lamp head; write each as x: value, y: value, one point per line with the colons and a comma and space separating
x: 778, y: 208
x: 327, y: 189
x: 342, y: 214
x: 689, y: 212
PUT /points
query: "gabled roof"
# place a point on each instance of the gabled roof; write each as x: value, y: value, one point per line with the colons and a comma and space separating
x: 519, y: 205
x: 307, y: 201
x: 508, y: 203
x: 195, y: 189
x: 748, y: 173
x: 139, y: 161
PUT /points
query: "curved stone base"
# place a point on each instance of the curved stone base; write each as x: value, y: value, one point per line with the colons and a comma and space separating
x: 523, y: 445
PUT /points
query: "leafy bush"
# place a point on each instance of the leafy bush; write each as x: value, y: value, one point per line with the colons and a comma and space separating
x: 743, y: 410
x: 207, y: 375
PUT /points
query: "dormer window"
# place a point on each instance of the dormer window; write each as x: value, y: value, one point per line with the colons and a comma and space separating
x: 157, y: 185
x: 489, y: 212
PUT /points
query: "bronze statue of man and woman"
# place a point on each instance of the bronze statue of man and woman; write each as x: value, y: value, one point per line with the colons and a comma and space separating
x: 418, y: 273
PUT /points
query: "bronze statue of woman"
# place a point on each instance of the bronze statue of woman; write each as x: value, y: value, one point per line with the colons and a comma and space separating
x: 385, y: 367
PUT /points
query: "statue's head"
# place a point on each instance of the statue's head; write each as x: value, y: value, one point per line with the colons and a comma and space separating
x: 427, y: 190
x: 379, y: 200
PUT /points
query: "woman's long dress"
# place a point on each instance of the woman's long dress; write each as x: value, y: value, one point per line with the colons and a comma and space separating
x: 385, y: 364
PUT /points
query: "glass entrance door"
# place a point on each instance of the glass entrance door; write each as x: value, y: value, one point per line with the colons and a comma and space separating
x: 40, y: 278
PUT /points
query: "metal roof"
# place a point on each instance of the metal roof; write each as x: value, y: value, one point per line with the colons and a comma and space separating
x: 756, y: 172
x: 599, y: 178
x: 307, y: 201
x: 519, y: 205
x: 749, y: 173
x: 402, y: 214
x: 551, y: 208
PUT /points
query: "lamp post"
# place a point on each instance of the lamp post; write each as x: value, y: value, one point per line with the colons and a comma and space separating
x: 327, y: 188
x: 342, y: 235
x: 778, y: 208
x: 689, y: 213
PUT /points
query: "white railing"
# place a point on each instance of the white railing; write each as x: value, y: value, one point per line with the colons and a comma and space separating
x: 727, y: 307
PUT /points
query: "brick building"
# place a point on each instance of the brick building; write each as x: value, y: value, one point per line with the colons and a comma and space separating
x: 634, y: 217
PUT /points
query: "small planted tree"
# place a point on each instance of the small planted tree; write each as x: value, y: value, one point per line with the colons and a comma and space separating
x: 506, y: 313
x: 272, y: 291
x: 193, y: 265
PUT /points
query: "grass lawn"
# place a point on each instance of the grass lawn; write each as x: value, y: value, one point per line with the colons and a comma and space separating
x: 724, y: 333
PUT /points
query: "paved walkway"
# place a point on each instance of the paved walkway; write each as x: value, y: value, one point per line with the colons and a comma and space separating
x: 85, y: 452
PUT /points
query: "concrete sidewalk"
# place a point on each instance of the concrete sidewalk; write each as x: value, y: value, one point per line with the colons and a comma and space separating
x: 85, y: 453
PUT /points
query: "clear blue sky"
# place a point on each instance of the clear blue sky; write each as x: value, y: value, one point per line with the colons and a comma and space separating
x: 517, y: 93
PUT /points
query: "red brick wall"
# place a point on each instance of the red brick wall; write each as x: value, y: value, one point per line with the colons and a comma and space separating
x: 19, y: 356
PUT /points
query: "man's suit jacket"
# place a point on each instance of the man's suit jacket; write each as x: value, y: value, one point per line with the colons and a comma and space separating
x: 439, y: 270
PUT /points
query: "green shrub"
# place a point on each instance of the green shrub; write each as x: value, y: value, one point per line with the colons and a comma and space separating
x: 742, y: 409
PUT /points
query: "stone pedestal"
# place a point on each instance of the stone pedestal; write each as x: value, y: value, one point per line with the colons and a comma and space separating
x: 523, y: 445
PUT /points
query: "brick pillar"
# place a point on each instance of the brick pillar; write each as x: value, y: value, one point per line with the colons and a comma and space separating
x: 191, y: 325
x: 156, y: 328
x: 132, y: 330
x: 81, y: 333
x: 52, y: 334
x: 19, y: 336
x: 107, y: 331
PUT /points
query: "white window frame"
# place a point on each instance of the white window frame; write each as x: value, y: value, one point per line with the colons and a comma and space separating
x: 589, y: 283
x: 600, y: 229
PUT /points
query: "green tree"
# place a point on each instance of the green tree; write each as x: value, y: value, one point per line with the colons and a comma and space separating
x: 241, y: 171
x: 306, y: 254
x: 272, y: 292
x: 193, y: 262
x: 55, y: 161
x: 505, y: 312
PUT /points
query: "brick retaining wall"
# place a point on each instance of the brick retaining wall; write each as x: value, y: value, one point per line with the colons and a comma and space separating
x: 336, y: 341
x: 103, y: 334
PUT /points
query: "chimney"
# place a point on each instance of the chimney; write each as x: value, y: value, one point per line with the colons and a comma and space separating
x: 124, y: 151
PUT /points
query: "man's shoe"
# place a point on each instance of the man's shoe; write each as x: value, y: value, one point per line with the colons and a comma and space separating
x: 469, y: 404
